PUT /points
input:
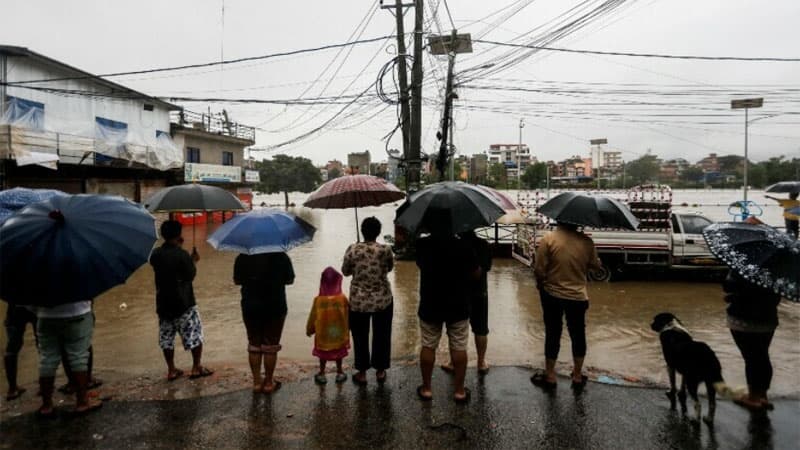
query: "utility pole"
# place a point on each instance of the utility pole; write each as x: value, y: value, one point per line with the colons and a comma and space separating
x: 448, y: 106
x: 415, y: 133
x: 402, y: 69
x: 519, y: 154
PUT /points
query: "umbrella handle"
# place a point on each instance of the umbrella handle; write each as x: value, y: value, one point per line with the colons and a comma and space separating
x: 358, y: 235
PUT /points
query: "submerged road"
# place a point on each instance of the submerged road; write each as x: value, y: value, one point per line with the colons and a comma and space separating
x: 506, y: 411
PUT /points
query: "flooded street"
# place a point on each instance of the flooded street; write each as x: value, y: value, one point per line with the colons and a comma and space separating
x: 618, y: 319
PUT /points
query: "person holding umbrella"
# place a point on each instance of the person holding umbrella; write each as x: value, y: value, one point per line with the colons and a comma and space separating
x: 175, y: 303
x: 790, y: 219
x: 563, y: 260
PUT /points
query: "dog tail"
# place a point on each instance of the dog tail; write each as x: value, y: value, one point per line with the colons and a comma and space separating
x: 725, y: 391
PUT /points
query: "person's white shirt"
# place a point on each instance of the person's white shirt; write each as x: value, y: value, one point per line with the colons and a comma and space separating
x: 64, y: 311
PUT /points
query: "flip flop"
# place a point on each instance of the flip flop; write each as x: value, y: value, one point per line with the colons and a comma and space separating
x: 94, y: 383
x: 359, y: 381
x: 483, y: 371
x: 174, y: 375
x: 423, y: 397
x: 320, y: 379
x: 381, y: 378
x: 750, y: 406
x: 341, y: 377
x: 275, y: 386
x: 92, y: 407
x: 45, y: 416
x: 539, y: 379
x: 465, y: 399
x: 204, y: 372
x: 16, y: 393
x: 576, y: 385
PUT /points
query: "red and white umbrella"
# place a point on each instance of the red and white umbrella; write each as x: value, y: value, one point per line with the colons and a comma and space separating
x: 513, y: 214
x: 354, y: 191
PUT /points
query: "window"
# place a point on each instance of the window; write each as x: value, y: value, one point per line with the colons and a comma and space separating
x: 148, y: 107
x: 192, y: 155
x: 227, y: 158
x: 24, y: 113
x: 694, y: 224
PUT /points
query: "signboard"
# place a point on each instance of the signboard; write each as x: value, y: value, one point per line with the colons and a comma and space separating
x: 252, y: 176
x: 212, y: 173
x: 598, y: 141
x: 442, y: 45
x: 747, y: 103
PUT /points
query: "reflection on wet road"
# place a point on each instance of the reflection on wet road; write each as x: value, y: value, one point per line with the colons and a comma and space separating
x: 617, y: 322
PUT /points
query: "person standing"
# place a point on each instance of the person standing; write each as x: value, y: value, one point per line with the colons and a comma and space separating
x: 791, y: 220
x: 563, y: 260
x: 479, y: 301
x: 752, y: 318
x: 17, y: 319
x: 448, y: 267
x: 263, y: 278
x: 327, y: 321
x: 175, y: 303
x: 65, y: 329
x: 370, y: 300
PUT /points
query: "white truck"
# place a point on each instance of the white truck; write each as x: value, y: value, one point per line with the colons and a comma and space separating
x: 665, y: 238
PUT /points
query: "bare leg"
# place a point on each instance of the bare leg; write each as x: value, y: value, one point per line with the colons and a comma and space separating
x: 169, y: 357
x: 339, y: 369
x: 83, y: 403
x: 481, y: 343
x: 577, y: 369
x: 46, y: 388
x: 11, y: 376
x: 197, y: 355
x: 427, y: 358
x: 270, y: 360
x: 254, y: 358
x: 550, y: 370
x: 459, y: 359
x: 323, y: 363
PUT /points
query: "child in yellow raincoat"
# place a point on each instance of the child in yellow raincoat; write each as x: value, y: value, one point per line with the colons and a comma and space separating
x: 328, y: 323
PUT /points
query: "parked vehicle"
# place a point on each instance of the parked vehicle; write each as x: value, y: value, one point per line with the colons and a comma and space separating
x: 665, y: 238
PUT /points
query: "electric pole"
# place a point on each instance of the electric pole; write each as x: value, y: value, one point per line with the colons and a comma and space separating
x: 413, y: 161
x: 402, y: 76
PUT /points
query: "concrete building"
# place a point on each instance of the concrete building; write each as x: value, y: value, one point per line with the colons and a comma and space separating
x: 358, y: 163
x: 709, y: 164
x: 479, y: 168
x: 80, y: 133
x: 511, y: 156
x: 393, y: 165
x: 671, y: 170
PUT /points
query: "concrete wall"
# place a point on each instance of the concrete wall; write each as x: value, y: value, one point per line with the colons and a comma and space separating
x: 210, y: 149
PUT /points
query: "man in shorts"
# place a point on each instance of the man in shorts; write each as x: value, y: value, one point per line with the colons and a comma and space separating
x: 175, y: 303
x: 445, y: 263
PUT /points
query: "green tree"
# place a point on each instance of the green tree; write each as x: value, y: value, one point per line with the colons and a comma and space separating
x: 692, y: 174
x: 731, y: 165
x: 757, y: 175
x: 642, y: 170
x: 284, y: 173
x: 535, y: 175
x: 334, y: 173
x: 497, y: 175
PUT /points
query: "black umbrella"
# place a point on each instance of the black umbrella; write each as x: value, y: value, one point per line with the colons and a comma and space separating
x: 785, y: 186
x: 592, y: 211
x: 193, y: 198
x: 455, y: 205
x: 760, y: 254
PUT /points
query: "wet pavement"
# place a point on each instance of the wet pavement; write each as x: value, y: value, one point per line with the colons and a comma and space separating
x: 506, y: 412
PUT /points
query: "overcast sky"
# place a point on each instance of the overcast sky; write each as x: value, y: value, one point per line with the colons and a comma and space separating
x: 691, y: 116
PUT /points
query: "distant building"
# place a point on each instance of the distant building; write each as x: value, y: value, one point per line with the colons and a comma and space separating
x: 576, y: 166
x: 478, y: 168
x: 379, y: 169
x: 334, y: 164
x: 671, y: 170
x: 358, y: 163
x: 511, y: 156
x: 709, y: 164
x: 323, y: 174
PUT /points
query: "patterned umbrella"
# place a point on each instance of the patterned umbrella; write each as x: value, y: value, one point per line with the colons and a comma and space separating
x: 354, y: 191
x: 760, y: 254
x: 512, y: 215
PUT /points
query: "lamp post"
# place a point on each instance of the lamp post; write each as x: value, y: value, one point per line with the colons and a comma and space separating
x: 746, y: 104
x: 519, y: 152
x: 598, y: 156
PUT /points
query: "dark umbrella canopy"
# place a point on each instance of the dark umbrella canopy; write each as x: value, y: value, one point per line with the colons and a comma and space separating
x: 760, y: 254
x: 785, y: 186
x: 591, y: 211
x: 454, y: 205
x: 71, y: 248
x: 193, y: 198
x: 12, y: 200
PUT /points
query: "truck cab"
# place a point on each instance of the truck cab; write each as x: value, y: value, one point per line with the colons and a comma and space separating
x: 689, y: 248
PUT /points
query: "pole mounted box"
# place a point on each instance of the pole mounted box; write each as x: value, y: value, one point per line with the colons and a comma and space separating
x: 442, y: 45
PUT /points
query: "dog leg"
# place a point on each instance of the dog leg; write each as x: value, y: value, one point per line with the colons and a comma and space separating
x: 682, y: 395
x: 692, y: 386
x: 672, y: 389
x: 712, y: 405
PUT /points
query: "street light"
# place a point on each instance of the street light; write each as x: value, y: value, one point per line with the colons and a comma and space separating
x: 519, y: 152
x: 596, y: 159
x: 746, y: 104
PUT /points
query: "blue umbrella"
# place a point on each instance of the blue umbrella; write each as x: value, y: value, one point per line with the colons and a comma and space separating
x: 71, y: 248
x: 262, y: 231
x: 12, y: 200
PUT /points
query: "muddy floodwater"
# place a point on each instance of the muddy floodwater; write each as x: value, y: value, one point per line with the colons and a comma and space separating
x: 618, y: 333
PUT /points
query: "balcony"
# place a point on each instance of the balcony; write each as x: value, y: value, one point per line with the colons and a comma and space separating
x: 217, y: 124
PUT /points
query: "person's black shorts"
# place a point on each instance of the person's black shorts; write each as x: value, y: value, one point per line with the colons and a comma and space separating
x: 479, y: 315
x: 17, y: 318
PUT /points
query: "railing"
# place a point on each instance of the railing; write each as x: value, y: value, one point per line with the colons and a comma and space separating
x: 213, y: 123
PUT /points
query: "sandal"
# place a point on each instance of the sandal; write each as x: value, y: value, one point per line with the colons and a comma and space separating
x: 172, y: 376
x: 483, y: 370
x: 341, y: 377
x: 14, y: 394
x: 447, y: 368
x: 582, y: 383
x: 380, y: 376
x: 320, y: 378
x: 745, y: 402
x: 45, y: 415
x: 275, y: 386
x: 361, y: 381
x: 423, y: 397
x: 540, y: 380
x: 93, y: 406
x: 465, y: 399
x: 204, y: 372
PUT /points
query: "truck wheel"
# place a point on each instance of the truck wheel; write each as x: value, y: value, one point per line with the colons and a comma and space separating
x: 601, y: 274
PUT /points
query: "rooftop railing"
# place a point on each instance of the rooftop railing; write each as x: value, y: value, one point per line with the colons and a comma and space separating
x: 213, y: 123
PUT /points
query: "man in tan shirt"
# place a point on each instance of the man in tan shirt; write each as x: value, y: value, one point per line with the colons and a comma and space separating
x: 563, y: 259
